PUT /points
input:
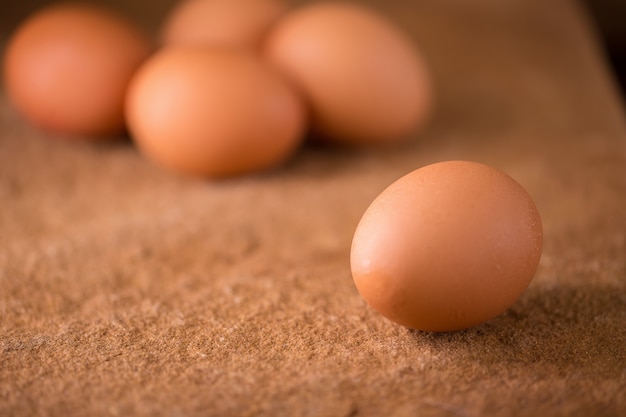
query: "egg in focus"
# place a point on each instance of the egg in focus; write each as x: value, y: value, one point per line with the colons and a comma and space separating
x: 363, y: 78
x: 446, y: 247
x: 229, y: 23
x: 67, y: 68
x: 213, y: 112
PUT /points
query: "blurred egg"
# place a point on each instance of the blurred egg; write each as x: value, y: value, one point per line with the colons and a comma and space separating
x: 362, y: 76
x: 240, y: 23
x: 213, y: 112
x: 446, y: 247
x: 67, y: 67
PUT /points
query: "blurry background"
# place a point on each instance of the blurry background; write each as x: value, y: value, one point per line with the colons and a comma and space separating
x: 607, y: 17
x: 11, y: 13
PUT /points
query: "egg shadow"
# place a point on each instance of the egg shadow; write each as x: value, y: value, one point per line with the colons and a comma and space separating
x: 564, y: 326
x: 319, y: 158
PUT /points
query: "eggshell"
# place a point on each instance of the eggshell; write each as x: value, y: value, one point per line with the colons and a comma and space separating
x: 213, y: 112
x: 362, y: 76
x: 447, y: 247
x: 234, y: 23
x: 67, y: 68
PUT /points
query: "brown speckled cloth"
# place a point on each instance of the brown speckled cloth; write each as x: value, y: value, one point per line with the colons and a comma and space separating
x: 127, y: 291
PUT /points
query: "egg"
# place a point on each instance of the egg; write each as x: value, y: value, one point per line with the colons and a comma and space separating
x: 232, y: 23
x: 363, y: 78
x: 446, y: 247
x: 213, y: 112
x: 67, y: 68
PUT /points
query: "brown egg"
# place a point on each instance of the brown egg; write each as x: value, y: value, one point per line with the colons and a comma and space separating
x: 239, y: 23
x: 213, y: 112
x: 363, y: 78
x: 67, y: 68
x: 446, y: 247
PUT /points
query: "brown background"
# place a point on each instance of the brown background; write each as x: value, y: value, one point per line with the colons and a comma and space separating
x: 127, y: 291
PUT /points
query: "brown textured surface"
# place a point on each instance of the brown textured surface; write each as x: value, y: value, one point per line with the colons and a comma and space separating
x: 126, y: 291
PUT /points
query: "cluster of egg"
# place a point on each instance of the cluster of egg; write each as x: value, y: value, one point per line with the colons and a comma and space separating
x: 231, y: 87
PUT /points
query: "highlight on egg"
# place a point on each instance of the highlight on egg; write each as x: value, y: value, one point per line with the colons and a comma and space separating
x: 446, y: 247
x: 67, y: 67
x: 226, y: 23
x: 213, y: 112
x: 363, y: 77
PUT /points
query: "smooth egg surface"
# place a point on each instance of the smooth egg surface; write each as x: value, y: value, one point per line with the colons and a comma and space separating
x: 213, y: 112
x: 67, y: 68
x: 446, y: 247
x: 232, y: 23
x: 363, y: 78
